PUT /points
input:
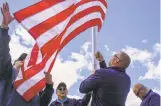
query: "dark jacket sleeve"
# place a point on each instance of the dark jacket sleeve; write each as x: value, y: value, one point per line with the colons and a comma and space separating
x: 91, y: 82
x: 154, y: 100
x: 84, y: 101
x: 46, y: 95
x: 103, y: 64
x: 5, y: 58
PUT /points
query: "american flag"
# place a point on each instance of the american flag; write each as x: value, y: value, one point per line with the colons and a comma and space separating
x: 52, y: 24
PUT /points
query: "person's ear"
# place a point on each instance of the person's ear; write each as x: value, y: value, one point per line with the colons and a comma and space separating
x: 116, y: 61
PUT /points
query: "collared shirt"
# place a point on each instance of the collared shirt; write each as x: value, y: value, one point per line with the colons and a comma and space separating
x: 62, y: 101
x: 110, y: 86
x: 151, y: 99
x: 73, y: 102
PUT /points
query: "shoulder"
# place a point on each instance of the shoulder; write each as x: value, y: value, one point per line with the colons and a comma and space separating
x: 154, y: 95
x: 102, y: 70
x: 154, y: 99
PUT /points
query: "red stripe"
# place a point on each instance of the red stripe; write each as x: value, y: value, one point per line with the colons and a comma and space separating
x: 80, y: 29
x: 34, y: 90
x: 104, y: 2
x: 49, y: 49
x: 51, y: 45
x: 87, y: 1
x: 38, y: 67
x: 69, y: 38
x: 39, y: 29
x: 52, y: 63
x: 74, y: 34
x: 86, y: 12
x: 34, y: 9
x: 83, y: 14
x: 34, y: 55
x: 18, y: 82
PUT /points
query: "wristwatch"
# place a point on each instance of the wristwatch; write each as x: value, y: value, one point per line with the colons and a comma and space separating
x: 4, y: 26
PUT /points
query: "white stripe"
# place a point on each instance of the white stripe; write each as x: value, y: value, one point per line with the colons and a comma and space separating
x: 19, y: 76
x: 46, y: 14
x: 89, y: 5
x: 80, y: 22
x: 47, y: 36
x: 36, y: 78
x: 36, y: 19
x: 39, y: 58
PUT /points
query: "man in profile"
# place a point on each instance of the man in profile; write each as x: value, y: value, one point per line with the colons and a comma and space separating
x: 148, y: 97
x: 110, y: 85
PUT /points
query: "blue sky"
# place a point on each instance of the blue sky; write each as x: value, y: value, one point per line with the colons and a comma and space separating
x: 131, y: 25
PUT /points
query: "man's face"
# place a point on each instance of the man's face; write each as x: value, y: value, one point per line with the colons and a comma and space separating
x: 140, y: 92
x: 114, y: 60
x: 62, y: 92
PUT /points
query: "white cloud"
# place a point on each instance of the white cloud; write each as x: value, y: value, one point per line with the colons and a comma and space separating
x: 132, y: 100
x: 25, y: 37
x: 16, y: 48
x: 107, y: 48
x: 144, y: 41
x: 137, y: 55
x: 153, y: 71
x: 68, y: 71
x: 157, y: 47
x: 146, y: 58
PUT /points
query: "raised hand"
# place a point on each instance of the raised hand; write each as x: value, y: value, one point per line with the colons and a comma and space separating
x: 99, y: 56
x: 7, y: 18
x: 48, y: 77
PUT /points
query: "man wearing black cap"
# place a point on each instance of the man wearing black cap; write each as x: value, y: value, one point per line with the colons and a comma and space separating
x: 8, y: 72
x: 63, y: 100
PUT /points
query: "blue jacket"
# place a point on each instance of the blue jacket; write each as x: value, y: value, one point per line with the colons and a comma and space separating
x: 110, y: 86
x: 151, y: 99
x: 8, y: 95
x: 73, y: 102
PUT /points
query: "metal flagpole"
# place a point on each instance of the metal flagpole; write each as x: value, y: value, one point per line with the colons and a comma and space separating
x: 94, y: 50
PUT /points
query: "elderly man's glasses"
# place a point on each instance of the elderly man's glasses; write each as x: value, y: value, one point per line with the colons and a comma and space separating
x: 117, y: 57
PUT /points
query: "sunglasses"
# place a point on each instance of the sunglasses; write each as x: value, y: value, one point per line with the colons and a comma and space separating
x: 117, y: 57
x: 62, y: 89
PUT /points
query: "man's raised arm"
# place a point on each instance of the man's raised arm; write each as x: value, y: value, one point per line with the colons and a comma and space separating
x: 5, y: 58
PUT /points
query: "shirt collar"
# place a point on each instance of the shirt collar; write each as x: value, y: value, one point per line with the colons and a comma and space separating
x: 118, y: 69
x: 147, y: 94
x: 62, y: 101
